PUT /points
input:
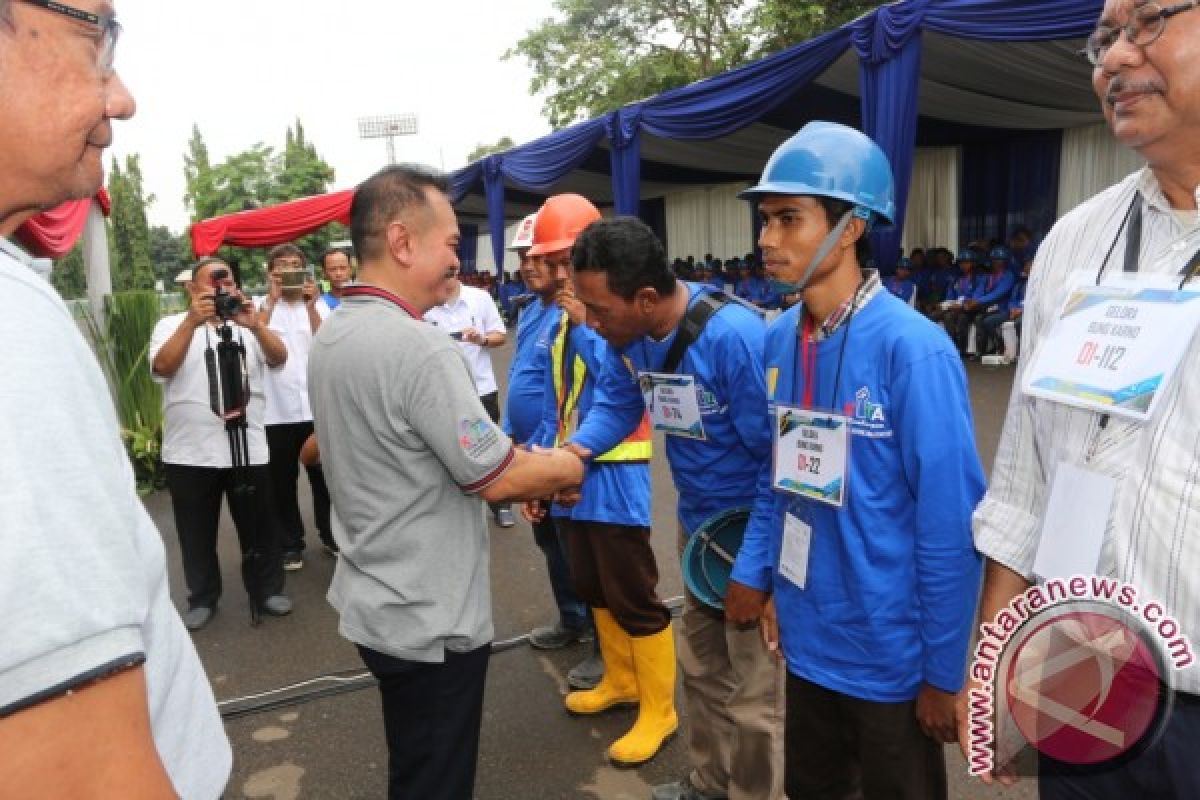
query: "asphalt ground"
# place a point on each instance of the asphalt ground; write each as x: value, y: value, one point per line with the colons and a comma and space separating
x: 333, y: 747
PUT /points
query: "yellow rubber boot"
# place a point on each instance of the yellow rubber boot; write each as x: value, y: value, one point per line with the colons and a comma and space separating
x: 618, y: 687
x: 654, y: 664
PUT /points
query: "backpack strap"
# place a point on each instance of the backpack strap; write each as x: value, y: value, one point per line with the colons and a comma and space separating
x: 707, y: 304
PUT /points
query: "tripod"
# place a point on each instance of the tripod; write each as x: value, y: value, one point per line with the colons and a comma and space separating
x: 229, y: 394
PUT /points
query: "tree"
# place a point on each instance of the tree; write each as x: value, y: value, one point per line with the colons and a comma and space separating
x: 482, y: 150
x: 69, y: 276
x: 168, y: 253
x: 256, y: 178
x: 602, y: 54
x: 197, y: 172
x: 129, y: 242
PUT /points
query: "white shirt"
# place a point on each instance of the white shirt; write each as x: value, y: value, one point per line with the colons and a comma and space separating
x: 1153, y: 536
x: 287, y: 387
x: 192, y: 434
x: 83, y: 579
x: 473, y: 308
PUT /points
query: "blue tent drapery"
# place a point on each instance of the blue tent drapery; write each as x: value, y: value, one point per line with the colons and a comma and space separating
x: 536, y: 165
x: 1011, y: 185
x: 887, y: 43
x: 468, y: 246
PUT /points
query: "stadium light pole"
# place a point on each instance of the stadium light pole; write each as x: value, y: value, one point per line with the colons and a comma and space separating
x: 387, y: 126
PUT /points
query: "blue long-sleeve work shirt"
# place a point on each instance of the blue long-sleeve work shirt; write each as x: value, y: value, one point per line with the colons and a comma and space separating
x: 963, y: 287
x: 721, y: 471
x: 993, y: 288
x: 617, y: 493
x: 527, y: 372
x: 892, y: 577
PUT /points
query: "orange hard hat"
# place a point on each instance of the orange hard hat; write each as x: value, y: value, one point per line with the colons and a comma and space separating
x: 561, y: 218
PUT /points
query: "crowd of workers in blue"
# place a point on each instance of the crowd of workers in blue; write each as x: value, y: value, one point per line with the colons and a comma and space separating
x: 977, y: 295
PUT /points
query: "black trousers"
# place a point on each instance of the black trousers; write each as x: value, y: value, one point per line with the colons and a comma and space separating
x: 431, y: 716
x: 1165, y: 770
x: 196, y: 494
x: 838, y: 747
x: 284, y: 442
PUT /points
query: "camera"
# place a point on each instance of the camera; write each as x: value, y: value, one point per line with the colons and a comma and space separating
x: 228, y: 306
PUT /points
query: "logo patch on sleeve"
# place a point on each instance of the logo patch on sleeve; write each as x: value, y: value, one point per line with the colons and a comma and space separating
x: 476, y: 436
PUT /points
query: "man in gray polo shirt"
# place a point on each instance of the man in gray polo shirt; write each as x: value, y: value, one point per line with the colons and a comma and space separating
x: 410, y: 454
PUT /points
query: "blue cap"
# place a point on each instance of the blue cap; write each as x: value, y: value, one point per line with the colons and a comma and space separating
x: 825, y: 159
x: 1000, y: 253
x: 904, y: 263
x: 967, y: 254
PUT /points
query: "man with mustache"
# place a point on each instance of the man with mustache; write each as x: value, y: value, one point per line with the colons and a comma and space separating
x: 102, y: 694
x: 1144, y: 232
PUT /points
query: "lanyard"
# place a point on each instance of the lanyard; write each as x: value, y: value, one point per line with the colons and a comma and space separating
x: 1133, y: 245
x: 807, y: 354
x: 808, y: 363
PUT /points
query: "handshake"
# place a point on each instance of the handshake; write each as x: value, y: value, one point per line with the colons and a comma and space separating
x: 535, y: 510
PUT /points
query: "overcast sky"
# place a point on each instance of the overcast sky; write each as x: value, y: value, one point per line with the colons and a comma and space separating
x: 244, y: 70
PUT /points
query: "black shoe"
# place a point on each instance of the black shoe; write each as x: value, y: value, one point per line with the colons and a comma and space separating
x: 293, y: 560
x: 554, y: 637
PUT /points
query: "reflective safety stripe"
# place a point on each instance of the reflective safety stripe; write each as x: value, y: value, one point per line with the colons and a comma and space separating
x: 567, y: 387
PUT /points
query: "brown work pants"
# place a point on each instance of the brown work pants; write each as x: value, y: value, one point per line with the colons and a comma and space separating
x: 613, y: 567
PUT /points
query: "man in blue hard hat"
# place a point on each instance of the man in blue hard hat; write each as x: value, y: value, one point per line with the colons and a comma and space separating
x: 862, y: 529
x: 692, y: 358
x: 991, y: 292
x: 901, y: 283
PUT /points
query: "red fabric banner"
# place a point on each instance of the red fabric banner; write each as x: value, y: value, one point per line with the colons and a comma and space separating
x: 53, y: 233
x: 266, y: 227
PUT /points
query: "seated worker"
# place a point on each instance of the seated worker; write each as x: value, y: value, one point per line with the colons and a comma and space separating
x: 901, y: 283
x: 990, y: 294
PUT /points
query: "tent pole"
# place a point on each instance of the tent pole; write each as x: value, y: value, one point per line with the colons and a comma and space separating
x: 95, y: 261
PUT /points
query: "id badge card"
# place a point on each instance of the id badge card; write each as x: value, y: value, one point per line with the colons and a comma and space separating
x: 1116, y: 347
x: 672, y: 404
x: 810, y: 454
x: 1074, y: 523
x: 793, y: 556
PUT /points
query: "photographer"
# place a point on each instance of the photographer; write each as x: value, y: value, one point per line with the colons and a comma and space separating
x: 293, y: 310
x: 198, y: 447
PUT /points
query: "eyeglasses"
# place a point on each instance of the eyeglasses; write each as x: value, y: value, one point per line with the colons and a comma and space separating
x: 1146, y: 23
x: 110, y: 29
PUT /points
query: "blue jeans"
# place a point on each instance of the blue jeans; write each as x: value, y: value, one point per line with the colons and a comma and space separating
x: 572, y: 611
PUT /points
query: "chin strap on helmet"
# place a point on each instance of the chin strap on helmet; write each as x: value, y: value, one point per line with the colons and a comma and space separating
x: 783, y: 287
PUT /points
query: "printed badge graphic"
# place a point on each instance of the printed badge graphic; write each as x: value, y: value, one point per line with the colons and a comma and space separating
x: 867, y: 417
x: 476, y: 436
x: 1077, y: 668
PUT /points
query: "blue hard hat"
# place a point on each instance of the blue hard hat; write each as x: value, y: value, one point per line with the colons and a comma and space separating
x: 825, y: 159
x: 709, y: 555
x: 999, y: 253
x: 967, y: 254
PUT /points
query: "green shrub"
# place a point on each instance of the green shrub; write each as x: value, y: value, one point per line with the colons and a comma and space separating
x: 122, y: 351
